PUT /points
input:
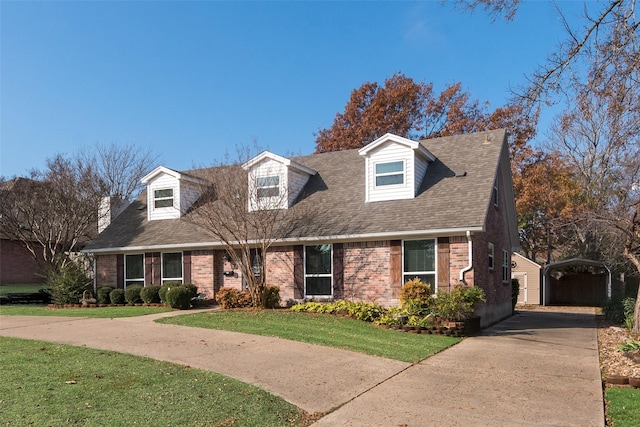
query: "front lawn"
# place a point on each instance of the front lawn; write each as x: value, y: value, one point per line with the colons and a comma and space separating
x: 100, y: 312
x: 322, y: 329
x: 47, y: 384
x: 623, y: 406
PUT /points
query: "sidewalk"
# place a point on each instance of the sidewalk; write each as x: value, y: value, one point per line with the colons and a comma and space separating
x: 539, y: 367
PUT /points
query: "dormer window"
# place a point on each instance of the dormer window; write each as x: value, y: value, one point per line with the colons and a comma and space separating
x: 163, y: 198
x: 268, y: 186
x: 391, y: 173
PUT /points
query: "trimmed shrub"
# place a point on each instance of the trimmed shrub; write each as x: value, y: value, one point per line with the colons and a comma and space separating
x: 102, y: 294
x: 163, y: 292
x: 116, y: 296
x: 416, y: 298
x: 132, y: 294
x: 272, y: 297
x: 460, y: 303
x: 193, y: 289
x: 179, y: 297
x: 150, y: 294
x: 233, y: 298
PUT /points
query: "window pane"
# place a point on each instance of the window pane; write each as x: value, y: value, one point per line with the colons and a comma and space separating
x: 389, y: 180
x: 318, y: 286
x: 389, y: 167
x: 166, y: 203
x: 318, y: 259
x: 172, y: 265
x: 419, y: 255
x: 268, y: 181
x: 134, y: 267
x: 167, y: 192
x: 268, y: 192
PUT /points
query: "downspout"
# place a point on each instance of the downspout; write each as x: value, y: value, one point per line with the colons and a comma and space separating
x: 470, y: 266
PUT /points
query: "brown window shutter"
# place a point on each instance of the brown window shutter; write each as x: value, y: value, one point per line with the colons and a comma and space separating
x: 148, y: 269
x: 298, y: 271
x: 443, y: 279
x: 120, y: 270
x: 156, y: 266
x: 186, y: 267
x: 396, y: 267
x: 338, y: 271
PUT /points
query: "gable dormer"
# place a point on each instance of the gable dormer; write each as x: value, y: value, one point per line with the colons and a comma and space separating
x: 170, y: 193
x: 394, y: 167
x: 274, y: 181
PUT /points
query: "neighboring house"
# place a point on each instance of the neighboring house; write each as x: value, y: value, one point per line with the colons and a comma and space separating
x: 529, y: 275
x: 441, y: 209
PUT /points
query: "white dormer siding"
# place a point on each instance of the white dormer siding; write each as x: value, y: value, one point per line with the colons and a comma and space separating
x: 274, y: 181
x: 170, y: 193
x: 394, y: 168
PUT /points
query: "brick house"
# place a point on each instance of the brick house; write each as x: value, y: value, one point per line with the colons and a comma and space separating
x: 440, y: 209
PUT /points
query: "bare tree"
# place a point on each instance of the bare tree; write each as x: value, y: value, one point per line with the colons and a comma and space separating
x: 52, y: 213
x: 120, y: 167
x: 247, y: 213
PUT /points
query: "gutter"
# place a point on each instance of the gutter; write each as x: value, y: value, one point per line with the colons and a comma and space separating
x: 319, y: 239
x: 470, y: 266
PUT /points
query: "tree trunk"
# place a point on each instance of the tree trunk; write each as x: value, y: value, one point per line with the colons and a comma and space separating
x: 636, y: 314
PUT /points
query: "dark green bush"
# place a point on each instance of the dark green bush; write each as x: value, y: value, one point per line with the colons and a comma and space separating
x: 193, y: 289
x: 66, y: 284
x: 272, y: 297
x: 132, y: 294
x: 460, y: 303
x: 116, y: 296
x: 102, y: 295
x: 613, y: 310
x: 179, y: 297
x: 233, y: 298
x: 515, y: 291
x: 150, y: 294
x: 163, y: 292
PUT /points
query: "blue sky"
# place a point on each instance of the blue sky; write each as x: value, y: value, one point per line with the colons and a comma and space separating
x: 192, y: 80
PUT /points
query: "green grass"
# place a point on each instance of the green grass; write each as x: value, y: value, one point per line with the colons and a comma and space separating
x: 101, y: 312
x: 623, y: 406
x: 322, y: 329
x: 26, y: 288
x: 46, y: 384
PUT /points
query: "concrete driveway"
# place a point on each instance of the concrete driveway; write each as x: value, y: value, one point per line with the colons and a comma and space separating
x: 539, y: 367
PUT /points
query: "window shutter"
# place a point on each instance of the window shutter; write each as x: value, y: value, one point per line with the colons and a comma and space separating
x: 186, y: 265
x: 338, y: 271
x: 156, y: 266
x: 148, y: 269
x: 396, y: 267
x: 298, y: 272
x: 444, y: 257
x: 120, y: 270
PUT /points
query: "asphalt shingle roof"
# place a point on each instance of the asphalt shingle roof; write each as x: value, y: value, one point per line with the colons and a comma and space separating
x: 336, y: 196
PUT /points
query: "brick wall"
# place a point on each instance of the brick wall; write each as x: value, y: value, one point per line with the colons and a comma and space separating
x: 202, y: 271
x: 17, y: 266
x: 367, y: 272
x: 279, y: 262
x: 106, y: 270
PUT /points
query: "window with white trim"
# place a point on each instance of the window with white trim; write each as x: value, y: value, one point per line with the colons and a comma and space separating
x: 134, y: 270
x: 505, y: 266
x: 491, y: 256
x: 163, y: 198
x: 268, y: 186
x: 318, y: 272
x: 390, y: 173
x: 172, y: 267
x: 419, y: 261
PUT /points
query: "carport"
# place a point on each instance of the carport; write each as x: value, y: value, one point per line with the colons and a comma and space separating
x: 576, y: 282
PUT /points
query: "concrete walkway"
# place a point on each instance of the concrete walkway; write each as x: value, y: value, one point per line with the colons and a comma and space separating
x: 539, y: 367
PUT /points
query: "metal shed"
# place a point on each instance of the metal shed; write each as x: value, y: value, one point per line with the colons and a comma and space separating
x: 589, y: 286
